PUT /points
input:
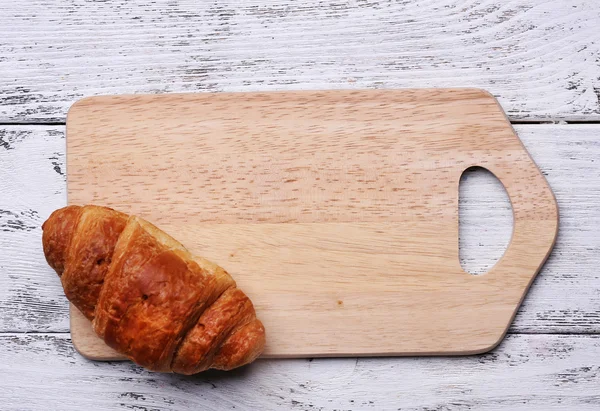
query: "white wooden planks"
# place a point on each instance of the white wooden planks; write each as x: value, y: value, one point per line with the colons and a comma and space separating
x: 564, y: 298
x: 556, y: 372
x: 540, y: 58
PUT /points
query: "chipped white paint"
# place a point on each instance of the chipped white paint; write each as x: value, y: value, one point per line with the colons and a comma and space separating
x: 564, y: 298
x: 539, y: 57
x: 527, y: 372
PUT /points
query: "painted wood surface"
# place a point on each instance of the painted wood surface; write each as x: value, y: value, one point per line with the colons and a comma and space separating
x: 564, y: 298
x: 336, y: 211
x: 539, y: 57
x: 540, y: 372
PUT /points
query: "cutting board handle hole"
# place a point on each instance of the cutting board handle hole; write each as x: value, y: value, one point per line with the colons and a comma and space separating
x: 485, y: 220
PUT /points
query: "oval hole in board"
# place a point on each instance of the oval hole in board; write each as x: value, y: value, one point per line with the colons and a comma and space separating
x: 485, y: 220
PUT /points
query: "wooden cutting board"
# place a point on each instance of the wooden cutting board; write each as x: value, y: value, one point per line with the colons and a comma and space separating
x: 335, y: 211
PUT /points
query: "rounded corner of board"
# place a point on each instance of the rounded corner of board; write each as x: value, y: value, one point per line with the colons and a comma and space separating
x: 484, y: 92
x: 81, y: 349
x: 489, y: 346
x: 79, y: 104
x: 86, y: 342
x: 95, y: 351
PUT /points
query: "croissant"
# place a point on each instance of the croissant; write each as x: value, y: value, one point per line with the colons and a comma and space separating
x: 147, y: 296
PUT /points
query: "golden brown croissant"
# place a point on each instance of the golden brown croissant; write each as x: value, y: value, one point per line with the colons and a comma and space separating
x: 147, y: 296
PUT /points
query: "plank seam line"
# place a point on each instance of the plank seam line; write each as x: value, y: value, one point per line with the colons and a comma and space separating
x: 590, y: 332
x: 515, y: 122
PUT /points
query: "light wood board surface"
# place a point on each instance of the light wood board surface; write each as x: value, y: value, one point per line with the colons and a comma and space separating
x: 335, y: 211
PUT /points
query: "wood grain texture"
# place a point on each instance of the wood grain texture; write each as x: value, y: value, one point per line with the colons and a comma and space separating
x: 565, y: 297
x: 526, y: 372
x: 336, y: 211
x: 540, y: 58
x: 32, y: 185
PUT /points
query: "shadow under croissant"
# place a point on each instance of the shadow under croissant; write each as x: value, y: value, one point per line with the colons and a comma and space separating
x: 212, y: 376
x: 209, y: 376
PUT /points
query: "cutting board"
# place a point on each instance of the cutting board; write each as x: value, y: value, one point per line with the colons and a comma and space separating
x: 335, y: 211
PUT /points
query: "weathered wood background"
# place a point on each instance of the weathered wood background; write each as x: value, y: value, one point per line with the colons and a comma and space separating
x: 540, y: 58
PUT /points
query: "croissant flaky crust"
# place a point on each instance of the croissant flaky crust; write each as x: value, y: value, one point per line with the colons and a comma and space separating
x: 147, y: 296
